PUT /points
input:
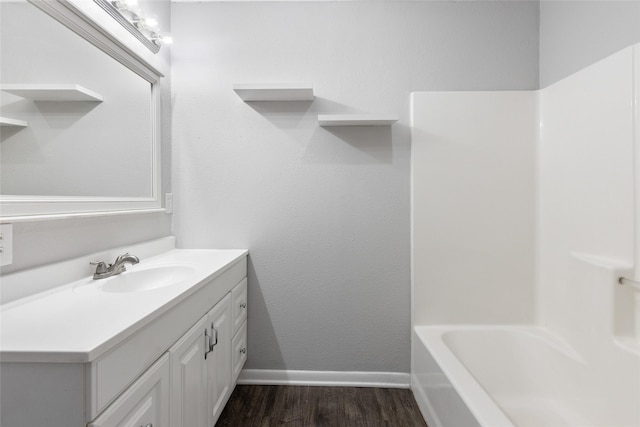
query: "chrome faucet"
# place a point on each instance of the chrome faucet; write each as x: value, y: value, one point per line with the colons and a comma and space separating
x: 103, y: 270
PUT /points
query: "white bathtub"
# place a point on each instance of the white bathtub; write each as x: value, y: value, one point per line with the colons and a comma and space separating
x: 520, y: 376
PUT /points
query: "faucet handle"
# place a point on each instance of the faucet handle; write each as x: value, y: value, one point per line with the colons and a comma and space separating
x: 101, y: 266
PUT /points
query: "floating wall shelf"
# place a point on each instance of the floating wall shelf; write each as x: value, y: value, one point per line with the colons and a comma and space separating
x: 274, y: 92
x: 356, y: 119
x: 5, y: 121
x: 52, y: 92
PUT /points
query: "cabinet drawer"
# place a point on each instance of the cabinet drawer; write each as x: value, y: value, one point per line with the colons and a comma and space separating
x: 144, y: 403
x: 239, y: 304
x: 239, y: 348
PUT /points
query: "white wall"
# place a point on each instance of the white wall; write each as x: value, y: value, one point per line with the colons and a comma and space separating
x: 575, y: 34
x: 474, y: 235
x: 586, y: 185
x: 586, y: 215
x: 473, y: 218
x: 324, y: 212
x: 44, y: 242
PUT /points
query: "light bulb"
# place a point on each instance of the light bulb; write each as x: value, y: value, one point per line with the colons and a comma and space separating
x: 160, y: 40
x: 119, y: 4
x: 151, y: 24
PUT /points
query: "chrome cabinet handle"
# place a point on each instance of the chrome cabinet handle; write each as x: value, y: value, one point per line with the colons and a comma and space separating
x: 208, y: 343
x: 214, y: 331
x: 243, y: 305
x: 243, y: 350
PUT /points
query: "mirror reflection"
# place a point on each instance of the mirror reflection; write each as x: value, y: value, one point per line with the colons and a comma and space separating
x: 75, y: 122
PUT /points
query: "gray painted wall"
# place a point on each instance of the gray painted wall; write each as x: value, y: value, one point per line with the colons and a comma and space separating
x: 575, y: 34
x: 45, y: 242
x: 324, y: 212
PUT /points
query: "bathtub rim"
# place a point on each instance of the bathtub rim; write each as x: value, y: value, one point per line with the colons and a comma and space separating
x: 479, y: 402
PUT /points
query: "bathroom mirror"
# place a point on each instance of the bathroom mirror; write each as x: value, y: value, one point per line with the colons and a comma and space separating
x: 80, y: 114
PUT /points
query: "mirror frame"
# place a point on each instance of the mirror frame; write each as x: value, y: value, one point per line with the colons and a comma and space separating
x: 91, y: 22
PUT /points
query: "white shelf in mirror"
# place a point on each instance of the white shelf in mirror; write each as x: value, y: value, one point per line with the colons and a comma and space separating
x: 6, y: 121
x: 52, y: 92
x: 326, y: 120
x: 274, y: 92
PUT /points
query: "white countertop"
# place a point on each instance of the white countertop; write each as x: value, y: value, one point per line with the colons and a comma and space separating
x: 77, y: 322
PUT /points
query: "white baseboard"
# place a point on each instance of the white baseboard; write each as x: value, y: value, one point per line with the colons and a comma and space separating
x: 325, y: 378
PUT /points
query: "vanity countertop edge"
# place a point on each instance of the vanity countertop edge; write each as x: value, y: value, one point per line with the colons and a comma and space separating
x: 65, y: 325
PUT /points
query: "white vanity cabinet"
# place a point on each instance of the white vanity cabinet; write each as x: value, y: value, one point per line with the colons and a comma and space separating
x: 173, y: 364
x: 204, y: 362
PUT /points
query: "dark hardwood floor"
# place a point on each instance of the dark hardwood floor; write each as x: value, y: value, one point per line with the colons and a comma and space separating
x: 304, y: 406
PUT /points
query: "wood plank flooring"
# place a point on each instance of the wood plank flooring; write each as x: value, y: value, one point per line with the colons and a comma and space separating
x: 304, y: 406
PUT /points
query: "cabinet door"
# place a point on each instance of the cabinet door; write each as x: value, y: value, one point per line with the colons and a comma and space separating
x: 219, y: 360
x: 189, y: 378
x: 144, y: 403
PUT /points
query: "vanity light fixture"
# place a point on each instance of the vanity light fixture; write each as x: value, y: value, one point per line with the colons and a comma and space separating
x: 129, y: 14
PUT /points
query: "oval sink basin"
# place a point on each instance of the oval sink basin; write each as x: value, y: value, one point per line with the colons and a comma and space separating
x: 146, y: 279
